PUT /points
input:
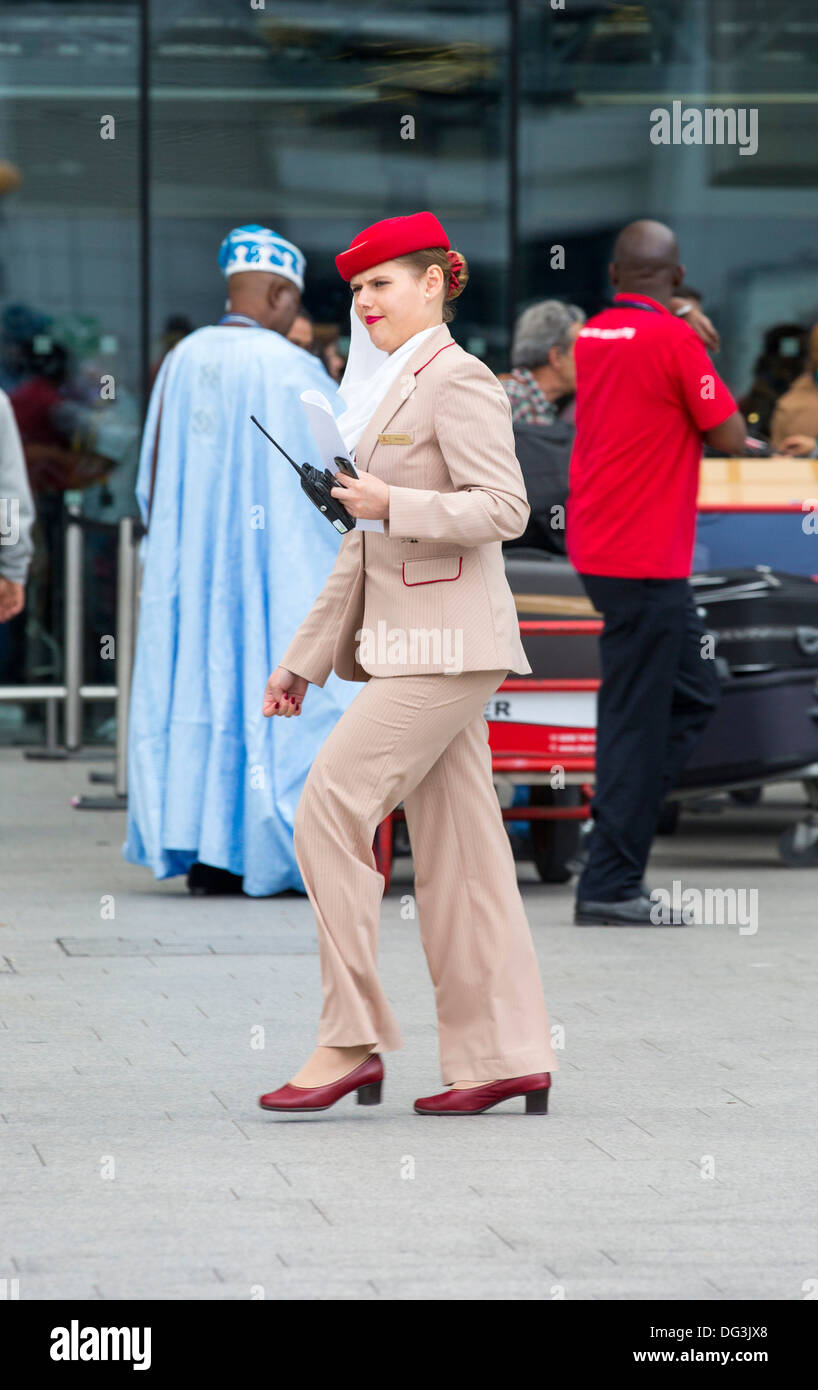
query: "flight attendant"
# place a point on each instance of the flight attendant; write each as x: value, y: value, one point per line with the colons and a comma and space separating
x: 422, y: 614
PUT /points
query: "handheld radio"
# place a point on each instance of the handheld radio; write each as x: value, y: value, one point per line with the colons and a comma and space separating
x: 317, y: 483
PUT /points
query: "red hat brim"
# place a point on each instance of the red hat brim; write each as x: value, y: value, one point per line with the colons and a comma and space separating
x: 384, y: 241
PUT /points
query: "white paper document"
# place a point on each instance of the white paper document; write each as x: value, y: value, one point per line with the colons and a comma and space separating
x: 330, y: 444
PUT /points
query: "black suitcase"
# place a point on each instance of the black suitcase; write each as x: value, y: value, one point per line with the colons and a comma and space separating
x: 545, y: 586
x: 762, y: 619
x: 765, y: 725
x: 766, y: 627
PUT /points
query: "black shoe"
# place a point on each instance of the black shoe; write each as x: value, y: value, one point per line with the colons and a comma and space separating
x: 633, y: 912
x: 205, y: 878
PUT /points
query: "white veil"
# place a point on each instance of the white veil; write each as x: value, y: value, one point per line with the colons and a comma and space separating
x: 369, y: 373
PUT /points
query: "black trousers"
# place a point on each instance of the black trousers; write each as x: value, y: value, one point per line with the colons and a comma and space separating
x: 658, y: 691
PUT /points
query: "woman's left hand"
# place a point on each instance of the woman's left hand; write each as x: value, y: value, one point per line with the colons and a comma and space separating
x: 365, y: 496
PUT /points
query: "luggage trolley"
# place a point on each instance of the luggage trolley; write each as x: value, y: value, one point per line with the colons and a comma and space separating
x: 765, y: 729
x: 542, y: 729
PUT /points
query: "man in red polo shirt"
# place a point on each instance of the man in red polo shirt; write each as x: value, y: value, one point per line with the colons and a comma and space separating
x: 647, y: 399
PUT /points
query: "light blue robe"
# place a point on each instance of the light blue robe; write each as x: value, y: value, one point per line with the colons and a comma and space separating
x: 234, y: 558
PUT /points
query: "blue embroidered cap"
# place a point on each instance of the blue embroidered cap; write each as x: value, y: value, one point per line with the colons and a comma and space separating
x: 258, y: 248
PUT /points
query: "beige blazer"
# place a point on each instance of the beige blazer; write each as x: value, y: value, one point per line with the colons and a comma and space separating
x: 430, y: 595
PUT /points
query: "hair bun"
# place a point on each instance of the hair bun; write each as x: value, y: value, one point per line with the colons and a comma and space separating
x: 459, y: 274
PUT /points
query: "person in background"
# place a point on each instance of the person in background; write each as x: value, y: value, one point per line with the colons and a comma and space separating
x: 332, y: 358
x: 325, y: 340
x: 540, y: 385
x: 16, y: 544
x: 301, y: 332
x: 803, y: 446
x: 687, y: 295
x: 686, y: 303
x: 781, y: 360
x: 234, y: 556
x: 57, y: 459
x: 540, y: 389
x: 20, y: 326
x: 16, y: 516
x: 177, y: 327
x: 647, y: 399
x: 41, y: 408
x: 794, y: 424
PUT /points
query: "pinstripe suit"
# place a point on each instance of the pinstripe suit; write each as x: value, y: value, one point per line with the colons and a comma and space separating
x: 455, y: 493
x: 424, y: 616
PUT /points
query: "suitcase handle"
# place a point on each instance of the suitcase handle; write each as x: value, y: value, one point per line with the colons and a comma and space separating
x: 738, y: 591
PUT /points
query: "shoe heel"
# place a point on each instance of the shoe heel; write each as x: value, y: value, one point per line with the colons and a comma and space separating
x: 370, y: 1094
x: 536, y: 1102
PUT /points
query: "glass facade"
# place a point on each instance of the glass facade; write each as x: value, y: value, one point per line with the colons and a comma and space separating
x: 70, y: 295
x: 133, y: 136
x: 318, y: 119
x: 590, y: 79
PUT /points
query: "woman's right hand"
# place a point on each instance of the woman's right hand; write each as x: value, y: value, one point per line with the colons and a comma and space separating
x: 284, y: 693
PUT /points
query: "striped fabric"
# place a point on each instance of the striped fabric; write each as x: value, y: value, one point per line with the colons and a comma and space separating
x: 422, y: 740
x: 456, y: 492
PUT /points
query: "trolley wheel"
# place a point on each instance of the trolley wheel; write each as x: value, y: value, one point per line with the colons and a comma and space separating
x: 798, y: 846
x: 382, y: 849
x: 746, y: 796
x: 668, y: 821
x: 553, y: 842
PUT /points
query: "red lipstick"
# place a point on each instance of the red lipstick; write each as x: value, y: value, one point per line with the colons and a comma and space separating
x: 374, y: 318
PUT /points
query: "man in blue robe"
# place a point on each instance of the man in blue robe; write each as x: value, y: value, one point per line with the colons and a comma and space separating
x: 234, y: 558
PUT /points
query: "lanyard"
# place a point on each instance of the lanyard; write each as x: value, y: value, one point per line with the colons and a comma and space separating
x: 242, y: 319
x: 631, y: 304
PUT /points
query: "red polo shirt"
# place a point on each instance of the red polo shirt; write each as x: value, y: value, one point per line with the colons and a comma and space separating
x: 646, y: 392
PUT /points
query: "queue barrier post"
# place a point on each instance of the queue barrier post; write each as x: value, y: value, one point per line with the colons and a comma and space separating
x: 124, y: 642
x: 73, y: 692
x: 74, y: 605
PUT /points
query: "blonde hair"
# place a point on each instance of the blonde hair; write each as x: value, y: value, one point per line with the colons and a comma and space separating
x: 418, y: 261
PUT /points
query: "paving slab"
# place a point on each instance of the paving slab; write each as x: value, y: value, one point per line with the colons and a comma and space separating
x: 138, y: 1025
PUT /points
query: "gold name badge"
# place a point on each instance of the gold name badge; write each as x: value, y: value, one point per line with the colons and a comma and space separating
x: 395, y: 439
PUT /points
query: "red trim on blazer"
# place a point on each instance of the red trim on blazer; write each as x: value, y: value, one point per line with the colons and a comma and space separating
x: 433, y: 356
x: 429, y: 581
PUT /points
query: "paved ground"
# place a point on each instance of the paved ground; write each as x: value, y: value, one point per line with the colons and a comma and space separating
x: 677, y: 1160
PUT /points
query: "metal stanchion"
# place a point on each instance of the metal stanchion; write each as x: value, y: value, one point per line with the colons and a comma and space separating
x: 125, y: 639
x: 51, y: 726
x: 73, y: 692
x: 127, y: 562
x: 74, y: 548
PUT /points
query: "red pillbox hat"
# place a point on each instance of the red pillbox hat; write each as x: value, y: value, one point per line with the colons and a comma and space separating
x: 383, y: 241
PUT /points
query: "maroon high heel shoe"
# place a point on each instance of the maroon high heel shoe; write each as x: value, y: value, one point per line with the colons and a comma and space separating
x: 366, y: 1079
x: 475, y: 1099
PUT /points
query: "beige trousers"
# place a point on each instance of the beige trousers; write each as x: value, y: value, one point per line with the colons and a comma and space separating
x: 422, y: 740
